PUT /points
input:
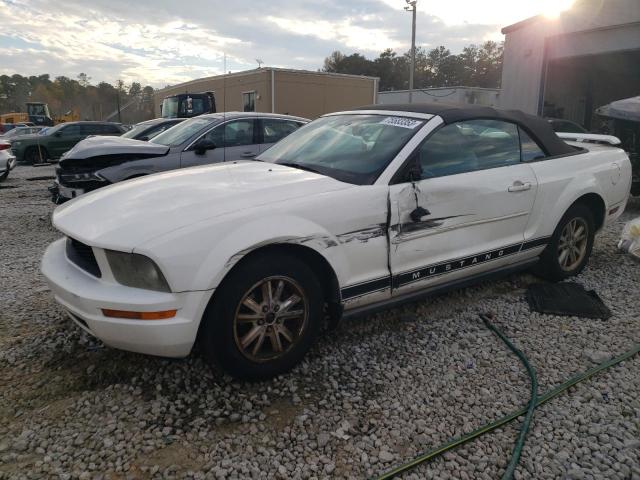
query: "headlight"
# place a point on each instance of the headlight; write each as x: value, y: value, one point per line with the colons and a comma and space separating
x: 136, y: 271
x: 81, y: 177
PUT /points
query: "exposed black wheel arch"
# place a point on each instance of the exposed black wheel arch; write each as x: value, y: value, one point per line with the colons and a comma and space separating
x: 596, y: 206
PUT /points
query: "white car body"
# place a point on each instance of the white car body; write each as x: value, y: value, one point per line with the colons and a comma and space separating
x: 7, y: 160
x: 197, y: 223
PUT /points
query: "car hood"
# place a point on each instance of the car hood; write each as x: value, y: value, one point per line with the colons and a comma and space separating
x: 127, y: 214
x: 101, y: 146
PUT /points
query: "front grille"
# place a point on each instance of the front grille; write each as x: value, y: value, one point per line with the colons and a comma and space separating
x: 82, y: 255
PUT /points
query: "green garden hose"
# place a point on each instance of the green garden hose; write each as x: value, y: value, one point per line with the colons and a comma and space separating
x: 517, y: 449
x: 540, y: 400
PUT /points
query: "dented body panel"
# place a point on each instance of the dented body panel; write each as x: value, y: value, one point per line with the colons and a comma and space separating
x: 469, y: 214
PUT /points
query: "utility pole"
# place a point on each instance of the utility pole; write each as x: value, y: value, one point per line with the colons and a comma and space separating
x: 118, y: 104
x: 411, y: 7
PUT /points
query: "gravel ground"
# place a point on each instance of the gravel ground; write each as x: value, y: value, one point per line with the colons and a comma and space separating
x: 376, y: 392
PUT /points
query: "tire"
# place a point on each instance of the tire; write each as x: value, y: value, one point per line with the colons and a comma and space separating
x: 4, y: 175
x: 568, y: 252
x: 241, y: 330
x: 33, y: 155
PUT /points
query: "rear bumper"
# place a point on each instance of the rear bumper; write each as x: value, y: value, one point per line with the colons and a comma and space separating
x: 8, y: 164
x: 84, y: 296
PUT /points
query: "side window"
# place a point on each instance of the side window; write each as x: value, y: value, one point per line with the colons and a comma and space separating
x: 274, y: 130
x: 468, y: 146
x: 71, y: 131
x: 232, y: 134
x: 111, y: 130
x: 530, y: 149
x: 92, y: 129
x: 249, y: 102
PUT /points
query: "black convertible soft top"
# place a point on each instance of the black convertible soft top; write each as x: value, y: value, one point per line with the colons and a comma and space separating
x: 538, y: 128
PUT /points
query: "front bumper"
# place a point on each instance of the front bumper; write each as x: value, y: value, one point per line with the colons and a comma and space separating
x: 61, y: 194
x: 84, y: 296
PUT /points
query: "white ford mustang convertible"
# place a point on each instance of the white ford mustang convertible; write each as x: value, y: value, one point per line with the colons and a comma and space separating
x: 355, y: 211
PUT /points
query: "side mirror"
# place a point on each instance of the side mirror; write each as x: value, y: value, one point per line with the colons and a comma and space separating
x: 57, y: 134
x: 144, y: 138
x: 201, y: 146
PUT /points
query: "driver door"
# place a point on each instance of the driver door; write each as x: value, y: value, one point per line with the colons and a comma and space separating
x: 234, y: 140
x: 467, y: 212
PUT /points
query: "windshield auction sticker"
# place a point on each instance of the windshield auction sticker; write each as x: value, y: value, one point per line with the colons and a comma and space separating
x: 401, y: 122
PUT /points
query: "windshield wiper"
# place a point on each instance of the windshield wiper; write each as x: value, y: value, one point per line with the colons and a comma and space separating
x: 300, y: 166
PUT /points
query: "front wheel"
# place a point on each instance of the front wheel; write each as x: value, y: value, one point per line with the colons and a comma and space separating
x: 570, y: 247
x: 264, y: 317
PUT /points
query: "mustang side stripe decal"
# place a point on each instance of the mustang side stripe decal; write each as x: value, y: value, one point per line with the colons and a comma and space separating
x: 451, y: 266
x: 438, y: 269
x: 366, y: 288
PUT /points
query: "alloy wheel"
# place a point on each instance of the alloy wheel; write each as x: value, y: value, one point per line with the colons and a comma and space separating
x: 572, y: 246
x: 270, y: 318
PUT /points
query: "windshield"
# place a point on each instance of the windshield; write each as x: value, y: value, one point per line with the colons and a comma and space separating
x: 170, y: 107
x: 182, y: 131
x: 12, y: 133
x: 38, y: 109
x: 350, y: 148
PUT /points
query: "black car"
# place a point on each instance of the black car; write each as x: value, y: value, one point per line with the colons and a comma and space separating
x: 150, y: 128
x: 54, y: 141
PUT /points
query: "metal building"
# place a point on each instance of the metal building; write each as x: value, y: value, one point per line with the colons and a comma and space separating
x: 569, y: 66
x: 277, y: 90
x: 459, y: 95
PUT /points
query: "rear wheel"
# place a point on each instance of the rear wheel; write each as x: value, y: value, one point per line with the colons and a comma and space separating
x: 570, y: 247
x: 4, y: 175
x: 35, y: 155
x: 264, y: 318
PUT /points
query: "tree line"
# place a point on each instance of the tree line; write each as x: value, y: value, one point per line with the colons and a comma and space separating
x: 64, y: 95
x: 475, y: 66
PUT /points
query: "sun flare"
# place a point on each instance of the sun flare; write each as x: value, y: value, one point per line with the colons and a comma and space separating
x: 553, y: 9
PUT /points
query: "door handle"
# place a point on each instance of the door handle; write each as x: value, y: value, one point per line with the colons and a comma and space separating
x: 519, y: 186
x: 248, y: 154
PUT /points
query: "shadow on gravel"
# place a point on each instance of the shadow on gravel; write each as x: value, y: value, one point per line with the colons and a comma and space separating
x: 36, y: 179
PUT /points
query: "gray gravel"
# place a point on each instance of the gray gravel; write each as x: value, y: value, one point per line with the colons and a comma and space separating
x: 376, y: 392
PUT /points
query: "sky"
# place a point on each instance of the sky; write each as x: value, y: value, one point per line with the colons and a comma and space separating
x: 162, y: 42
